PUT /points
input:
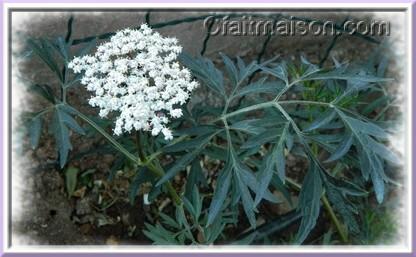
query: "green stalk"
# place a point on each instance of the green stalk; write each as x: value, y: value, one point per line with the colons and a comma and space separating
x: 142, y: 156
x: 328, y: 208
x: 123, y: 150
x: 325, y: 201
x: 169, y: 187
x: 244, y: 110
x: 156, y: 170
x: 334, y: 219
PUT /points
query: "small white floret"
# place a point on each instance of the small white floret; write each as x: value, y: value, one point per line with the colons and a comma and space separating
x: 137, y: 75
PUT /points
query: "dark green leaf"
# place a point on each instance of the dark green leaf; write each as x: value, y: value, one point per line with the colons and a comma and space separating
x: 277, y: 225
x: 378, y: 184
x: 195, y: 177
x: 345, y: 208
x: 61, y: 134
x: 178, y: 166
x: 247, y: 126
x: 342, y: 149
x: 371, y: 165
x: 205, y: 71
x: 245, y: 70
x: 197, y: 130
x: 267, y: 136
x: 215, y: 152
x: 377, y: 103
x: 382, y: 151
x: 274, y: 161
x: 247, y: 200
x: 309, y: 202
x: 220, y: 193
x: 366, y: 128
x: 231, y: 69
x: 142, y: 175
x: 279, y: 72
x: 342, y: 74
x: 169, y: 221
x: 261, y: 86
x: 62, y: 48
x: 279, y: 185
x: 184, y: 161
x: 193, y: 143
x: 44, y: 51
x: 45, y: 91
x: 264, y: 177
x: 71, y: 123
x: 61, y: 120
x: 325, y: 118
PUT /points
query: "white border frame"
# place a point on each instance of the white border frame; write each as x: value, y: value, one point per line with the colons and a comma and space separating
x: 207, y: 249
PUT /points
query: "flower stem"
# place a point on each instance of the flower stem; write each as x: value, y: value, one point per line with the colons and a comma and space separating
x: 142, y: 156
x: 123, y: 150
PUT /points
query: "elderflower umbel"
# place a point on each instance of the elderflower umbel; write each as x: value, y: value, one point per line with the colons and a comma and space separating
x: 136, y: 74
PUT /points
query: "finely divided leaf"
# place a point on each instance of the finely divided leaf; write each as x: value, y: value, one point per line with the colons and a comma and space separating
x: 344, y: 207
x: 197, y: 146
x: 261, y: 86
x: 247, y: 126
x: 43, y: 49
x: 60, y: 123
x: 205, y: 70
x: 220, y: 193
x: 231, y: 69
x: 267, y: 136
x: 245, y: 70
x: 264, y: 177
x: 324, y: 119
x: 342, y: 149
x: 275, y: 160
x: 369, y: 151
x: 45, y: 91
x: 278, y: 71
x: 309, y: 202
x: 194, y: 178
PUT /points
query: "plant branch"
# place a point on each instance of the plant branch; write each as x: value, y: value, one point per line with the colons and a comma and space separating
x: 142, y: 156
x: 327, y: 207
x: 334, y: 219
x: 107, y: 136
x: 123, y: 150
x: 324, y: 199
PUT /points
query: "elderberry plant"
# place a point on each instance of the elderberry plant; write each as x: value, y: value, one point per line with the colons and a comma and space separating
x: 330, y: 124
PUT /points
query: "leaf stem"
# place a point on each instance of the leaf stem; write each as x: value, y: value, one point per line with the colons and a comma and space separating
x: 244, y: 110
x: 305, y: 102
x: 107, y: 136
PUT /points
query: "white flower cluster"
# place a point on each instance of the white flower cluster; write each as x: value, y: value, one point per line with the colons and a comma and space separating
x: 137, y: 75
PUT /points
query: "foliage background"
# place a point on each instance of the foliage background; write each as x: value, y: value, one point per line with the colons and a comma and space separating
x: 192, y: 38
